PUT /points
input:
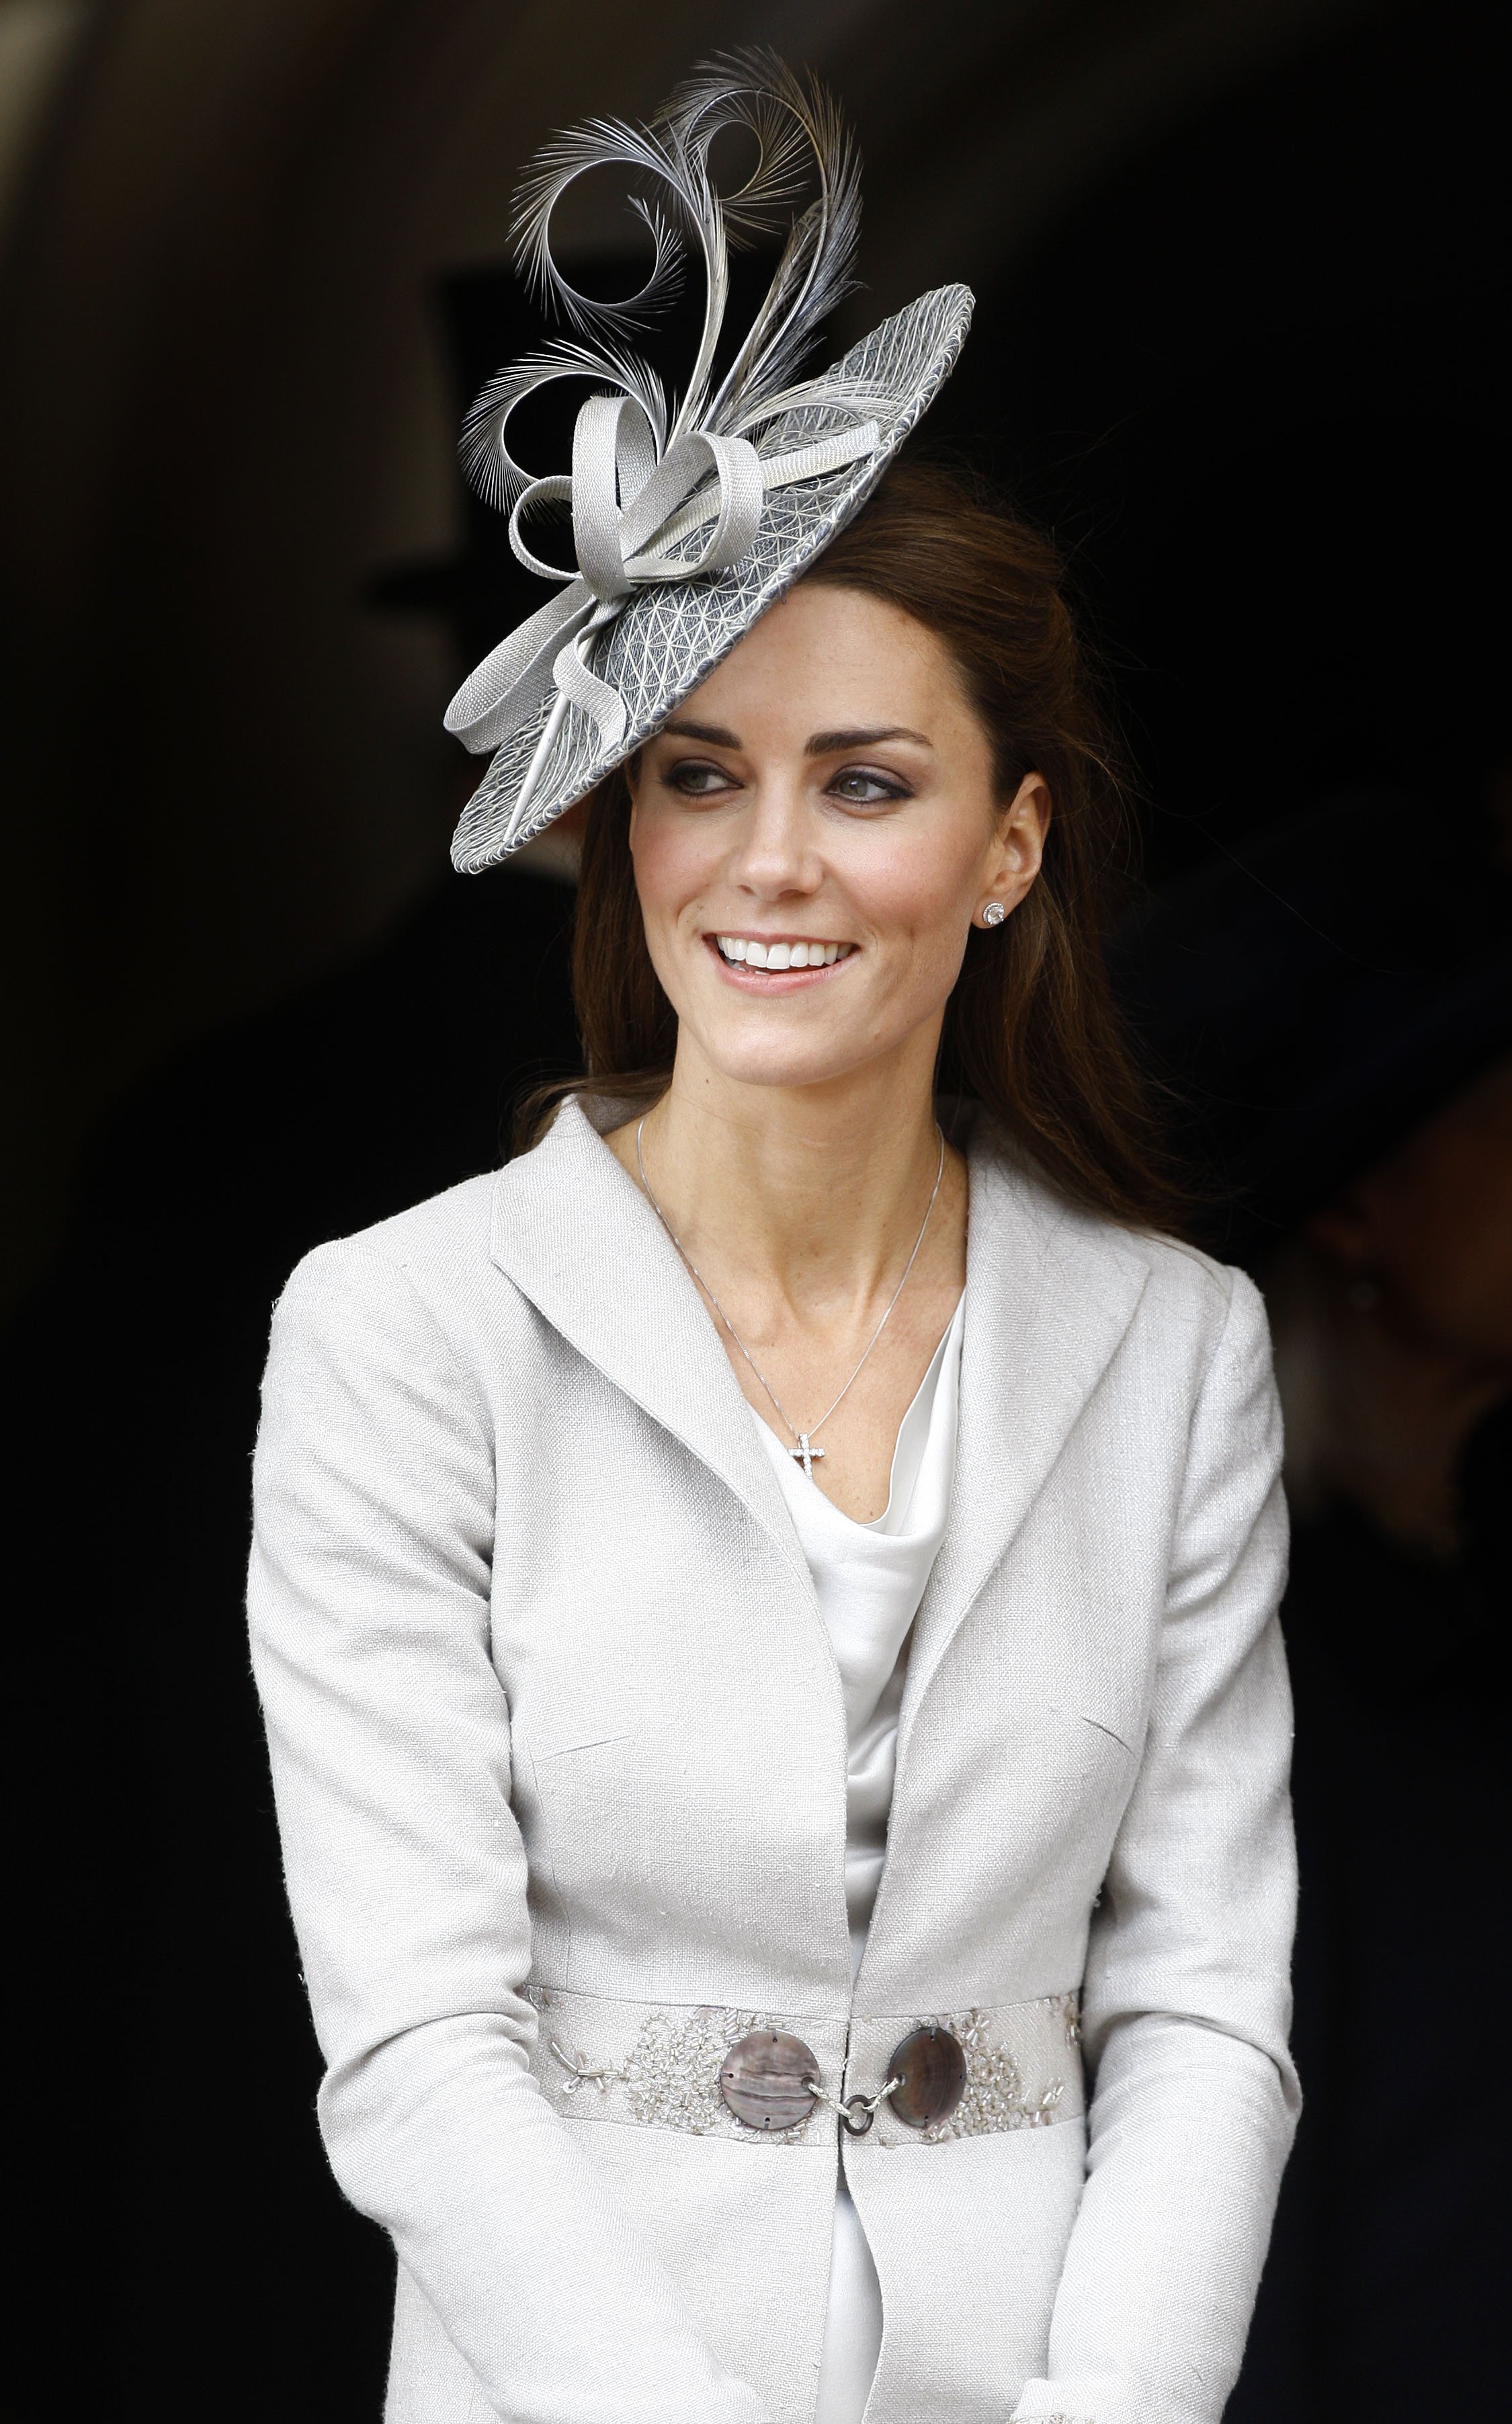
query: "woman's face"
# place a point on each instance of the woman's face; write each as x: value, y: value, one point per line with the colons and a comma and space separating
x: 825, y: 798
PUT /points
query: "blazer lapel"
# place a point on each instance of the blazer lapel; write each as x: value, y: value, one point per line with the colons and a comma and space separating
x: 1050, y: 1293
x: 577, y: 1238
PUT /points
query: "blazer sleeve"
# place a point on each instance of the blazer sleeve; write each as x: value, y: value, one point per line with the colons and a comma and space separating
x: 1187, y: 2000
x: 369, y: 1600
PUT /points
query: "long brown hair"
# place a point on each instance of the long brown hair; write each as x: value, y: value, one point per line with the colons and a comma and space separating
x: 1030, y: 1031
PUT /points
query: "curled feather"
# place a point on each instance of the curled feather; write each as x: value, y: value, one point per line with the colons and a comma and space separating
x: 750, y: 89
x: 799, y: 135
x: 602, y: 142
x: 803, y: 149
x: 846, y: 400
x: 493, y: 472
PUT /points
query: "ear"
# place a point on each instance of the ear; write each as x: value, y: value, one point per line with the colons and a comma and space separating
x: 1017, y: 847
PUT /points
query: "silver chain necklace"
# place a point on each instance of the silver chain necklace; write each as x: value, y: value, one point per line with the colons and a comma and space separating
x: 805, y: 1452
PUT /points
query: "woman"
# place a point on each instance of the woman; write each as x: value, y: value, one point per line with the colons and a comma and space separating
x: 654, y: 1537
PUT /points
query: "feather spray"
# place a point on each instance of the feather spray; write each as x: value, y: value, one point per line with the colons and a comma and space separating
x: 802, y: 147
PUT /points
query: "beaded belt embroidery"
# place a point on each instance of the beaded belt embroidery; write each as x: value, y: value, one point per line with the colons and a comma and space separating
x: 661, y: 2067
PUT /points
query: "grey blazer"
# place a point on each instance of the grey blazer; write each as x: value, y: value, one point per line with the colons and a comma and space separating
x: 559, y: 1757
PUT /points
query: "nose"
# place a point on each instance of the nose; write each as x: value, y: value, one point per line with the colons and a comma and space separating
x: 775, y: 855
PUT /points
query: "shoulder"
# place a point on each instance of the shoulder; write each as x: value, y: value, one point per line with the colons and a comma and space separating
x: 378, y: 1369
x: 1178, y: 1298
x: 1218, y: 1294
x: 486, y: 1265
x: 1194, y: 1355
x: 424, y: 1276
x: 1211, y: 1317
x: 428, y: 1245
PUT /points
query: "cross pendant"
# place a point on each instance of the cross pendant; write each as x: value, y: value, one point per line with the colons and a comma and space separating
x: 806, y: 1454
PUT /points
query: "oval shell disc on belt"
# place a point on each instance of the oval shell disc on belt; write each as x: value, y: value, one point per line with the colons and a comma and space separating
x: 931, y: 2071
x: 763, y: 2080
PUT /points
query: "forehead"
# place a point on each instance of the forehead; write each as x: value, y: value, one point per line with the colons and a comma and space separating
x: 828, y: 657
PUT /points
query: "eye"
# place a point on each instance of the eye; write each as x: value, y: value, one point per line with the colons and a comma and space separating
x: 697, y: 779
x: 864, y: 789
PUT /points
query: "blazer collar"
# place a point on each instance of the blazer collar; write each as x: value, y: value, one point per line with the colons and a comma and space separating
x: 575, y: 1234
x: 1050, y: 1293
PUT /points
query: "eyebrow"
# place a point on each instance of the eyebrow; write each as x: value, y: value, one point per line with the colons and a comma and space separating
x: 716, y: 735
x: 821, y: 744
x: 866, y: 735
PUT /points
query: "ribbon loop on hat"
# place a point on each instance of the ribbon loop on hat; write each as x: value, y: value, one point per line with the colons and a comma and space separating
x: 741, y: 490
x: 541, y: 492
x: 614, y: 456
x: 632, y: 516
x: 578, y: 684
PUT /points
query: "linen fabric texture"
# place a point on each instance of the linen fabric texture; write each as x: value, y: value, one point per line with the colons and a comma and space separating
x: 551, y: 1707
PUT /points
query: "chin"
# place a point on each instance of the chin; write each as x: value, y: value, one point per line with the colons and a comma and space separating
x: 778, y: 1072
x: 748, y: 1063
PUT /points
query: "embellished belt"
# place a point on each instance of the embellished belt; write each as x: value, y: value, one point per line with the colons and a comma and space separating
x: 718, y: 2072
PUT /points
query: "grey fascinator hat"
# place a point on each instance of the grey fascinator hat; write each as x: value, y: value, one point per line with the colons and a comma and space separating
x: 690, y: 516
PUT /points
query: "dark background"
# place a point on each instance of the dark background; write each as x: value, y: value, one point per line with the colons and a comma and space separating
x: 1243, y: 283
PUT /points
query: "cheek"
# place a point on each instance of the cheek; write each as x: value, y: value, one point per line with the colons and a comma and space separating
x: 912, y: 892
x: 673, y: 857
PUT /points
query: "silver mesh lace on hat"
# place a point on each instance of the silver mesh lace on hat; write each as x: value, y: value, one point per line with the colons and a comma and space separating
x: 688, y: 521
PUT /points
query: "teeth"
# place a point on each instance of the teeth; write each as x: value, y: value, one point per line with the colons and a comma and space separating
x: 737, y: 949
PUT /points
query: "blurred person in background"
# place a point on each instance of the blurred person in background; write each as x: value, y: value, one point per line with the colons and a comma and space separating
x: 1333, y: 1002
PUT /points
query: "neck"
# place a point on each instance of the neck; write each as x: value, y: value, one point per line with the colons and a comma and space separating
x: 814, y: 1193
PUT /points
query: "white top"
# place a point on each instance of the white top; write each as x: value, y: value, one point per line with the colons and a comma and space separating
x: 870, y: 1578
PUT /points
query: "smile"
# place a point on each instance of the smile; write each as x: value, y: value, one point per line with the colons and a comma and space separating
x: 753, y: 952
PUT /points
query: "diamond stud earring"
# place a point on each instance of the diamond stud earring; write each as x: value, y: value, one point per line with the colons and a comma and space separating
x: 993, y: 914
